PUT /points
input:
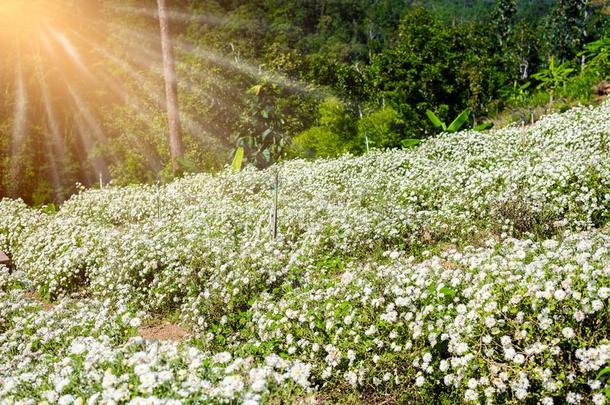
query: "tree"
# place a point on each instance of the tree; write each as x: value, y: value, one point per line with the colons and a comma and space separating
x: 567, y: 28
x: 503, y: 19
x: 171, y: 90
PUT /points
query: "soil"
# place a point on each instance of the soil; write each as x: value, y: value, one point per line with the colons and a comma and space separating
x: 34, y: 296
x: 164, y: 331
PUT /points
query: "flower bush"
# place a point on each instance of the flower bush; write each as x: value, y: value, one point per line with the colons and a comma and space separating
x: 475, y: 267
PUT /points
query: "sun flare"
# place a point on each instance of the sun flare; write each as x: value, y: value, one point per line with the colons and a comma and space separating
x: 26, y: 19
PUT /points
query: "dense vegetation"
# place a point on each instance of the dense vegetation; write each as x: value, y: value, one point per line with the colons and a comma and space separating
x: 280, y: 78
x: 473, y: 268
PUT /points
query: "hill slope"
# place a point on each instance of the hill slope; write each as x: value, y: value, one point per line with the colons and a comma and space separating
x: 478, y: 261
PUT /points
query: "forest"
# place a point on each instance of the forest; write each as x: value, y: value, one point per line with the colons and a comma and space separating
x: 83, y: 99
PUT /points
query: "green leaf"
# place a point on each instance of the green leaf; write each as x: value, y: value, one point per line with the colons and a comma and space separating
x: 187, y: 164
x: 603, y: 372
x: 256, y: 90
x: 447, y: 291
x: 410, y: 143
x: 238, y: 159
x: 266, y: 134
x: 459, y: 121
x: 484, y: 126
x: 49, y: 209
x: 435, y: 120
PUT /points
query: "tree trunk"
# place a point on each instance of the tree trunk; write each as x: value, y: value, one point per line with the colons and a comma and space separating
x: 171, y: 90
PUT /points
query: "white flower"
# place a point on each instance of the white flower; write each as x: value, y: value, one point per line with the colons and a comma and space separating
x: 573, y: 398
x: 66, y: 400
x: 567, y: 332
x: 599, y: 399
x: 222, y: 358
x: 352, y: 378
x: 299, y: 373
x: 559, y: 294
x: 579, y: 316
x: 471, y: 396
x: 109, y: 379
x: 148, y: 380
x: 230, y: 386
x: 77, y: 348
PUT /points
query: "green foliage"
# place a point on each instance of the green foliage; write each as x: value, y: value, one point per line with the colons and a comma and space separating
x: 455, y: 125
x: 258, y: 74
x: 383, y: 129
x: 567, y: 27
x: 597, y: 56
x: 459, y: 121
x: 337, y: 134
x: 484, y: 126
x: 503, y: 19
x: 332, y: 137
x: 435, y: 120
x: 238, y: 159
x: 517, y: 94
x: 553, y: 77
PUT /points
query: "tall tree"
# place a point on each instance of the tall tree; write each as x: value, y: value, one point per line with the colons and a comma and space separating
x: 503, y: 19
x: 176, y: 145
x: 567, y: 28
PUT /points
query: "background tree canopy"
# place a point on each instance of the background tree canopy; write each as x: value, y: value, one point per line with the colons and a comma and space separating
x: 82, y: 89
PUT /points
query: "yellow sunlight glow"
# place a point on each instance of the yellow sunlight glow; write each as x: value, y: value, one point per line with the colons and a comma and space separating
x: 22, y: 19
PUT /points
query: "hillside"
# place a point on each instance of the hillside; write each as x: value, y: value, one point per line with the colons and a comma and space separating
x: 473, y: 268
x: 86, y: 99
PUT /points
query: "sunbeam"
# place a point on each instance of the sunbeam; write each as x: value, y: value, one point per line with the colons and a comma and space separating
x: 70, y: 50
x: 87, y: 124
x: 208, y: 18
x: 155, y: 95
x: 55, y: 145
x: 20, y: 114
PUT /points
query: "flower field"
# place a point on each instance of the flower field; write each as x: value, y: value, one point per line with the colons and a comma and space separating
x: 474, y: 268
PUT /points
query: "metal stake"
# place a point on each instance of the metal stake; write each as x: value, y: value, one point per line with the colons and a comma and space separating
x: 276, y: 186
x: 158, y: 199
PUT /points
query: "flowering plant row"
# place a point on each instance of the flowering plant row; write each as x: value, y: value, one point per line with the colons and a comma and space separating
x: 474, y: 268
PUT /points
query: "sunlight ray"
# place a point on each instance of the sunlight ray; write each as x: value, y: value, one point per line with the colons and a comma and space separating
x: 20, y: 111
x: 53, y: 124
x: 136, y: 102
x: 175, y: 15
x: 216, y: 58
x: 187, y: 84
x: 151, y: 92
x: 195, y: 127
x: 70, y: 50
x: 91, y: 127
x: 52, y: 158
x: 255, y: 72
x: 55, y: 145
